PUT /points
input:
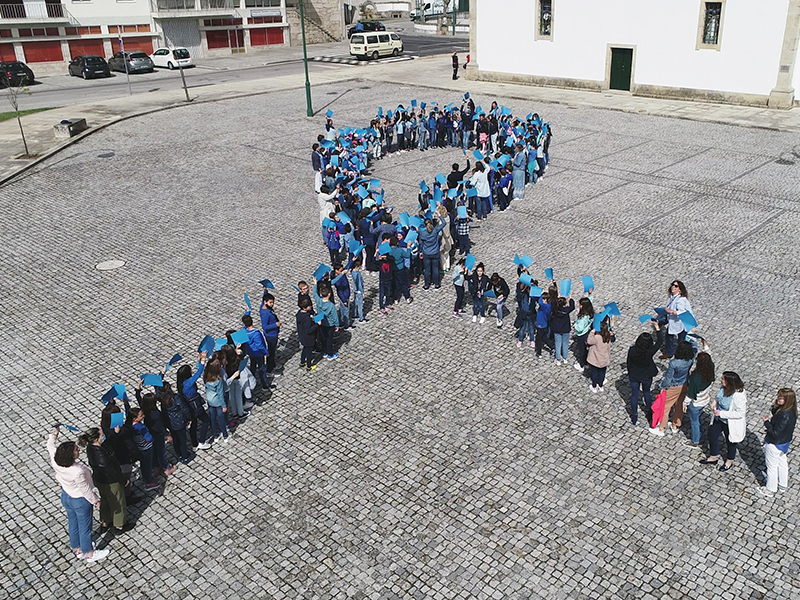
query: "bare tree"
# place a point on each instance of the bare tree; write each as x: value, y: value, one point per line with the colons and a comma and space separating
x: 15, y: 87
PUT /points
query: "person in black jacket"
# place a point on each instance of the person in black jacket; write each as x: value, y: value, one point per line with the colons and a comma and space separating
x: 642, y: 369
x: 178, y: 416
x: 501, y: 291
x: 780, y: 429
x: 478, y: 285
x: 455, y: 176
x: 306, y: 333
x: 561, y: 326
x: 108, y: 478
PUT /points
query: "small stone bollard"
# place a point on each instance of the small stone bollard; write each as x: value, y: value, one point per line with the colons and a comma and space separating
x: 70, y: 127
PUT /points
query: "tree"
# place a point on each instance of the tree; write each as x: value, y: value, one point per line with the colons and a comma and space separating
x: 15, y: 87
x: 367, y: 10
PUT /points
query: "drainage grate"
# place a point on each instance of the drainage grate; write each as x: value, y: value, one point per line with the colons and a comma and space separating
x: 109, y: 265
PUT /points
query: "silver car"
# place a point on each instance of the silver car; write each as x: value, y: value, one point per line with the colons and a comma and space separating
x: 138, y: 62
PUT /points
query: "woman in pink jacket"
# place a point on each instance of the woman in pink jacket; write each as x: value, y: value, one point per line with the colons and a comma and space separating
x: 78, y: 496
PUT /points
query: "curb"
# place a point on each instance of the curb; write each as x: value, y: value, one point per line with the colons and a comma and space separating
x: 6, y: 179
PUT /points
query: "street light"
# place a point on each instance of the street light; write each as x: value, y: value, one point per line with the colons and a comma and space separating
x: 309, y: 110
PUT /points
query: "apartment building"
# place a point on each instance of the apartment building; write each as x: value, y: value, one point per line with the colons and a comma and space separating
x: 47, y: 34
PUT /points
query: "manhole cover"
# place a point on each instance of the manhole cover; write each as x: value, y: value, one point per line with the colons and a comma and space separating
x: 109, y: 265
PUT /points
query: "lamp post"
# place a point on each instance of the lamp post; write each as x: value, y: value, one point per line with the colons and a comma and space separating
x: 454, y: 17
x: 309, y: 110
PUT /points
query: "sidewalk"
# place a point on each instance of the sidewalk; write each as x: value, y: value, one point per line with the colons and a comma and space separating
x: 431, y: 72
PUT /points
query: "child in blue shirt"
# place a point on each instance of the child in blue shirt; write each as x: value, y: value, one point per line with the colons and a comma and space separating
x: 358, y: 290
x: 342, y: 286
x: 542, y: 322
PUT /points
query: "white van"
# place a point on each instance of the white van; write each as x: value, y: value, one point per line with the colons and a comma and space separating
x: 374, y: 44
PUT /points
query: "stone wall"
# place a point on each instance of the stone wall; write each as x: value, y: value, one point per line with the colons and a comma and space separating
x: 324, y: 21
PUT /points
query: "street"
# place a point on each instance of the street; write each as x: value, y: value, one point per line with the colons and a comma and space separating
x: 63, y: 90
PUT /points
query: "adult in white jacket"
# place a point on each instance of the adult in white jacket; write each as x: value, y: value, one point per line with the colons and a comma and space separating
x: 730, y: 410
x: 326, y: 207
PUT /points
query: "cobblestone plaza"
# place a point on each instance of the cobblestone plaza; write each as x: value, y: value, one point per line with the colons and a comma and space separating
x: 434, y: 459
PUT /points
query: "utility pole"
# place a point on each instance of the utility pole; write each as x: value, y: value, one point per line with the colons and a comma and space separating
x: 124, y: 60
x: 309, y: 110
x: 454, y: 16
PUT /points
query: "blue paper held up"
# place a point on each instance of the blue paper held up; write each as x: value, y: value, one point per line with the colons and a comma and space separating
x: 490, y: 294
x: 318, y: 318
x: 240, y: 337
x: 321, y: 270
x: 441, y: 179
x: 599, y: 318
x: 328, y: 223
x: 380, y: 111
x: 384, y: 248
x: 462, y: 212
x: 267, y: 284
x: 612, y: 309
x: 357, y: 249
x: 415, y: 221
x: 362, y: 193
x: 243, y: 363
x: 472, y: 192
x: 588, y: 283
x: 688, y: 320
x: 411, y: 237
x: 548, y: 273
x: 403, y: 218
x: 565, y: 287
x: 423, y: 187
x: 469, y: 262
x: 413, y: 104
x: 526, y: 279
x: 152, y: 379
x: 527, y: 261
x: 119, y: 388
x: 478, y: 155
x: 219, y: 343
x: 335, y: 160
x: 206, y: 345
x: 117, y: 420
x: 343, y: 217
x: 452, y: 193
x: 437, y: 195
x: 247, y: 301
x: 660, y: 311
x: 517, y: 260
x: 536, y: 292
x: 375, y: 184
x: 108, y: 396
x: 644, y: 319
x: 329, y: 113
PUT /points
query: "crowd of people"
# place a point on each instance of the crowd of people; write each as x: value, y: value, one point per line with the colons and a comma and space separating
x: 361, y: 235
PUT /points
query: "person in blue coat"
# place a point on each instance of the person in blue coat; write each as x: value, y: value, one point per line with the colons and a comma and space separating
x: 271, y: 327
x: 429, y: 243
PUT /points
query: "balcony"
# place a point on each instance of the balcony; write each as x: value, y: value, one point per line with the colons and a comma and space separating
x: 193, y: 9
x: 33, y: 13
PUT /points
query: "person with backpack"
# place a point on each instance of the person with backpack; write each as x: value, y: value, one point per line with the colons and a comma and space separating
x: 179, y: 415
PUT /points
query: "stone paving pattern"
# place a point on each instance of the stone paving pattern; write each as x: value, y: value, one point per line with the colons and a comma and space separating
x: 434, y: 459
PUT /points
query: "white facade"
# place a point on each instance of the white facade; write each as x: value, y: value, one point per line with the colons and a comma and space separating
x: 668, y: 56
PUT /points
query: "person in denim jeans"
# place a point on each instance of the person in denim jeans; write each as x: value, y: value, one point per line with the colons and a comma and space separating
x: 78, y: 496
x: 478, y: 285
x: 526, y: 312
x: 675, y: 383
x: 215, y: 396
x: 698, y: 393
x: 678, y: 302
x: 642, y: 369
x: 560, y: 326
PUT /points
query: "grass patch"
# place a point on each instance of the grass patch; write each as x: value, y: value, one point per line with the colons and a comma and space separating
x: 5, y: 116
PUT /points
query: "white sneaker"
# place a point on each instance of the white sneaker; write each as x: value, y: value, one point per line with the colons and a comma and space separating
x: 483, y: 320
x: 474, y: 318
x: 601, y: 389
x: 578, y: 368
x: 764, y: 492
x: 204, y: 446
x: 98, y: 555
x: 227, y: 440
x: 670, y: 428
x: 594, y: 389
x: 656, y: 431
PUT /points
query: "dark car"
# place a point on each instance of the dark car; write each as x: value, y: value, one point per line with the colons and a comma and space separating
x: 15, y: 72
x: 366, y: 26
x: 89, y: 67
x: 138, y: 62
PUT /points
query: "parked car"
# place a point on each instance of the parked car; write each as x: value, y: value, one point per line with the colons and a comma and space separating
x: 171, y: 58
x: 366, y: 26
x: 138, y: 62
x: 15, y: 72
x: 375, y: 45
x: 89, y: 66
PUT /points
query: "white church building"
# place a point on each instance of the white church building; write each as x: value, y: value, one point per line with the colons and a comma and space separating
x: 731, y: 51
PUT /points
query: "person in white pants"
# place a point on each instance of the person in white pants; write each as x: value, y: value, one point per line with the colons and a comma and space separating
x: 780, y: 429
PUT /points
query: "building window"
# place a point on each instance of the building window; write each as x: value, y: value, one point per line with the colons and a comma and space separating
x: 262, y: 3
x: 709, y: 29
x: 544, y: 20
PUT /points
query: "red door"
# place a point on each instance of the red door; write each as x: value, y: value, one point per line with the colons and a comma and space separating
x: 83, y: 47
x: 275, y: 35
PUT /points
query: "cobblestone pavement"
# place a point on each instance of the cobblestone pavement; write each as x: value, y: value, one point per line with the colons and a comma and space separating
x: 434, y: 459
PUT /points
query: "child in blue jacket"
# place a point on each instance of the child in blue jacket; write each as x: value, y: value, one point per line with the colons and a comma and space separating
x: 542, y: 322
